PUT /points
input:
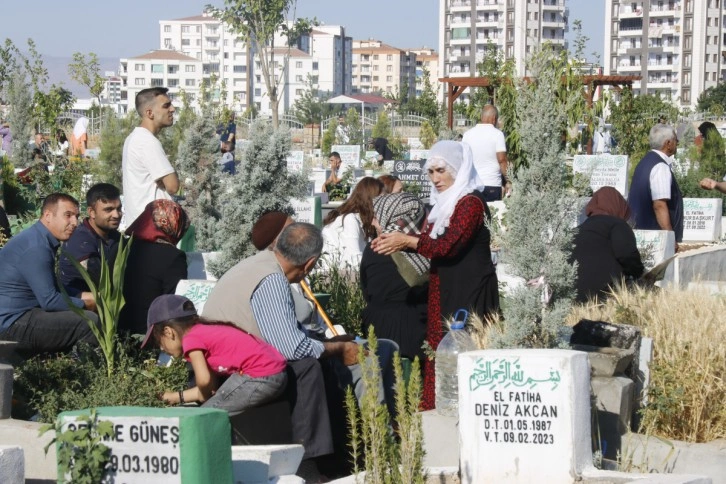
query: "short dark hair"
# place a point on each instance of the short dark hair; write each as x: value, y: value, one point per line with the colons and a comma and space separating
x: 104, y: 192
x: 300, y: 241
x: 51, y: 201
x: 334, y: 153
x: 145, y: 96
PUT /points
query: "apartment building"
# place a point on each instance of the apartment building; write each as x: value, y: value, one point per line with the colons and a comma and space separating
x: 381, y: 68
x: 219, y: 52
x: 469, y: 28
x: 676, y: 46
x: 162, y: 68
x: 426, y: 60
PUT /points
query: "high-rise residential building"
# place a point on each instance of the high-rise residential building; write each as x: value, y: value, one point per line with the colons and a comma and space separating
x: 324, y: 54
x: 469, y: 28
x: 381, y: 68
x: 676, y: 46
x: 427, y: 60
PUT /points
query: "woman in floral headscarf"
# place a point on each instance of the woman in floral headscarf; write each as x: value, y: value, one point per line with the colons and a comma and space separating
x: 395, y: 286
x: 155, y: 266
x: 456, y: 240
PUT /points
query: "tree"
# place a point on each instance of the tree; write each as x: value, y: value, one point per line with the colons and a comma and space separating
x: 711, y: 97
x: 256, y: 22
x: 262, y: 184
x: 540, y: 213
x: 87, y: 72
x: 20, y: 116
x: 382, y: 128
x: 355, y: 133
x: 310, y: 108
x: 113, y: 135
x: 427, y: 135
x: 172, y: 138
x: 426, y: 104
x: 198, y: 155
x: 326, y: 144
x: 632, y: 119
x: 52, y: 104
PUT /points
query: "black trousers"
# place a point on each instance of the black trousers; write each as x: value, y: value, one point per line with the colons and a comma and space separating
x: 38, y: 331
x: 309, y: 410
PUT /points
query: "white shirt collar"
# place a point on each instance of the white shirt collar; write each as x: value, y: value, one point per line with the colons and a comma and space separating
x: 666, y: 158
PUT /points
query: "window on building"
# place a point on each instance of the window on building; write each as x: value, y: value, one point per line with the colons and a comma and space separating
x: 186, y: 42
x: 157, y: 68
x: 185, y: 29
x: 258, y: 91
x: 211, y: 29
x: 375, y: 78
x: 157, y: 82
x: 198, y: 29
x: 375, y: 67
x: 389, y: 57
x: 389, y: 68
x: 139, y: 67
x: 172, y: 83
x: 140, y: 81
x: 298, y: 78
x: 240, y: 69
x: 189, y: 83
x: 167, y: 28
x: 389, y: 78
x: 167, y: 43
x: 375, y: 56
x: 315, y: 66
x: 298, y: 64
x: 190, y: 68
x: 172, y: 69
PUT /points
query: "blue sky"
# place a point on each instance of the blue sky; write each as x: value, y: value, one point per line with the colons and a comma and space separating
x: 130, y: 27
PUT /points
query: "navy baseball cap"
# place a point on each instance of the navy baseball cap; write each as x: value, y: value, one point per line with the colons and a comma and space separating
x: 164, y: 308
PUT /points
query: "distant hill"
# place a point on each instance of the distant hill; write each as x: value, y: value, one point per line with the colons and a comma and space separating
x: 58, y: 73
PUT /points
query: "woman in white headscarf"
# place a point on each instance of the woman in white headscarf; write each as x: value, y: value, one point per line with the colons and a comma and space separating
x: 79, y: 138
x: 456, y: 240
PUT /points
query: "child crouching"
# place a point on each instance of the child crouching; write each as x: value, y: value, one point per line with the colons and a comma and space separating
x: 255, y: 370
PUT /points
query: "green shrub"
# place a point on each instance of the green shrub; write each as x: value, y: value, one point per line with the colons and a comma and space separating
x: 346, y: 297
x: 49, y: 385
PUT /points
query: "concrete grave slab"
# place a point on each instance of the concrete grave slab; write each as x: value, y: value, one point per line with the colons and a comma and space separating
x: 701, y: 269
x: 261, y: 463
x: 12, y: 464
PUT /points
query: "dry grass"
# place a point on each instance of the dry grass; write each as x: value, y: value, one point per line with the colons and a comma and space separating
x: 687, y: 393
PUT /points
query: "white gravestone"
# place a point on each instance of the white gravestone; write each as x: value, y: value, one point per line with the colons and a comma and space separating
x: 307, y: 210
x: 317, y: 176
x: 418, y: 154
x: 414, y: 143
x: 604, y: 171
x: 655, y: 246
x: 295, y: 161
x: 196, y: 290
x: 702, y: 219
x: 524, y: 416
x: 349, y: 156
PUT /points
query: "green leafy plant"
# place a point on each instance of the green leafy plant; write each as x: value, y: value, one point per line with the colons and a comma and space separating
x: 342, y: 282
x: 82, y: 456
x: 388, y: 457
x: 109, y: 299
x: 47, y: 385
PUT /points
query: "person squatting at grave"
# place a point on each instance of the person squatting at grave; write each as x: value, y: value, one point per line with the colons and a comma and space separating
x: 155, y: 265
x: 395, y: 287
x: 489, y: 150
x: 391, y: 184
x: 226, y: 162
x: 604, y: 246
x: 98, y: 232
x: 33, y: 312
x: 381, y: 147
x: 228, y: 134
x: 654, y: 196
x: 146, y: 172
x: 456, y: 240
x: 348, y: 228
x: 333, y: 181
x: 253, y: 371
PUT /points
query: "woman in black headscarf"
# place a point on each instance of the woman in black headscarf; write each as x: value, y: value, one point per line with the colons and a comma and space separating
x: 605, y: 248
x: 395, y: 286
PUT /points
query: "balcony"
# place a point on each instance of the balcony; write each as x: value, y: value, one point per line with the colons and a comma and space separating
x: 662, y: 66
x: 630, y: 33
x: 552, y: 4
x: 459, y: 22
x: 460, y: 6
x: 630, y: 12
x: 488, y: 4
x: 554, y: 24
x: 664, y: 11
x: 628, y: 67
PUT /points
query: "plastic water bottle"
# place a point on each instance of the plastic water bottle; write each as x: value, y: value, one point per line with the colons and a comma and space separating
x: 456, y: 341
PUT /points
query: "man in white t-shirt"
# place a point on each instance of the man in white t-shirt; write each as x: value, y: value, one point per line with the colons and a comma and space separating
x: 490, y: 154
x: 146, y: 171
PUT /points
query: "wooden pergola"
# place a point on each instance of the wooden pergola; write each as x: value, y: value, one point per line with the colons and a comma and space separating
x: 455, y: 86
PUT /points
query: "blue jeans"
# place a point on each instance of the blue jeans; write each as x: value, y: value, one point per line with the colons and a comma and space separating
x: 242, y: 392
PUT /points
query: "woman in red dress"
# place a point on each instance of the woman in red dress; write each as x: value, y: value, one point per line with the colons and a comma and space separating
x: 457, y: 242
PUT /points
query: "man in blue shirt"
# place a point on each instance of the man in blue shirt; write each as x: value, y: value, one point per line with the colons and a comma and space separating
x: 32, y: 310
x: 98, y: 232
